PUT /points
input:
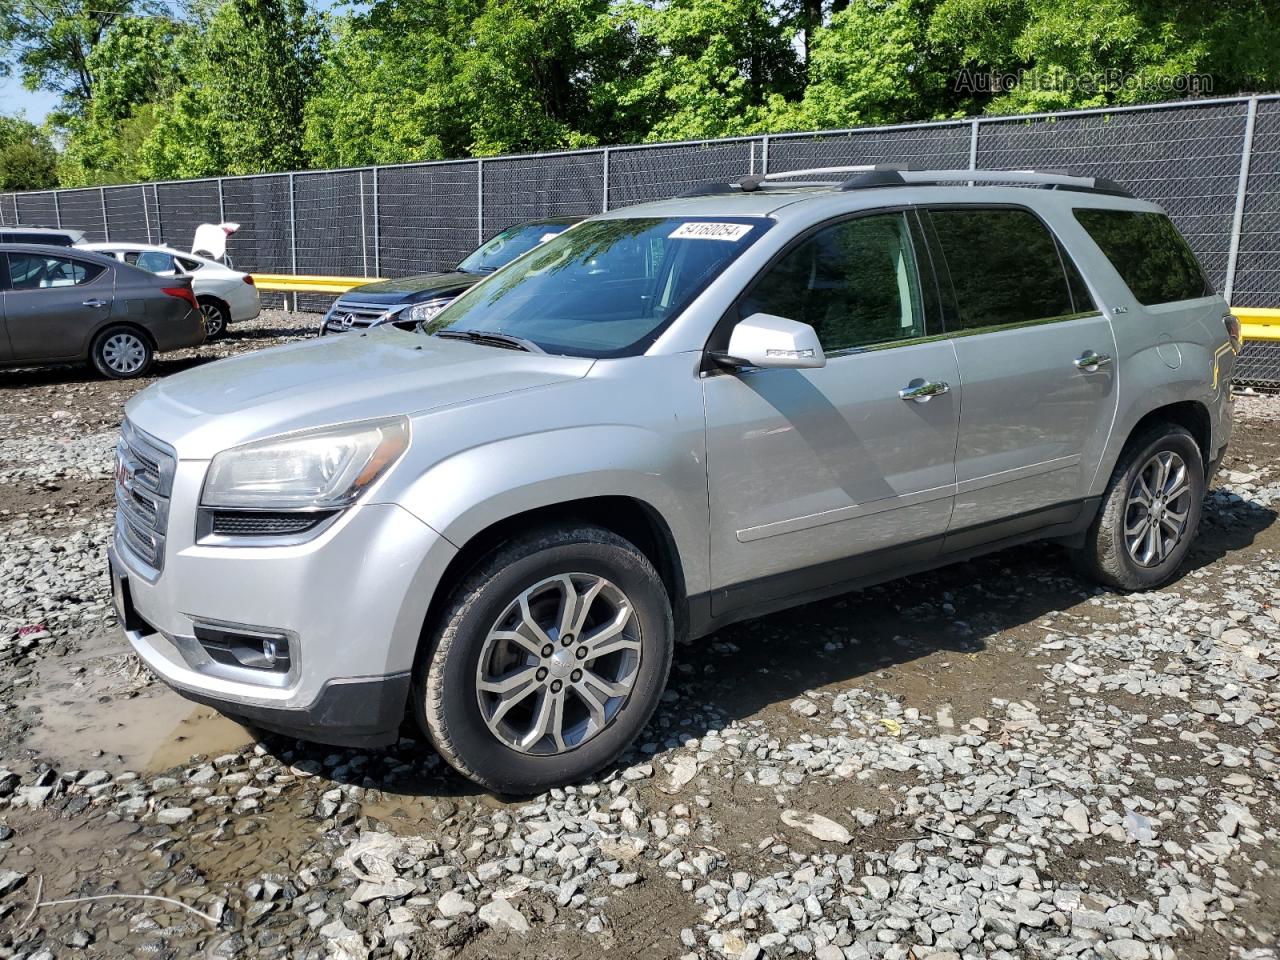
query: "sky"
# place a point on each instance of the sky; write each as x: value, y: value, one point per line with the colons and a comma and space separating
x: 15, y: 99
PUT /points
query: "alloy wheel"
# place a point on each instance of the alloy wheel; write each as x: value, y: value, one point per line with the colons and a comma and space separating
x: 213, y: 321
x: 1157, y: 509
x: 558, y: 664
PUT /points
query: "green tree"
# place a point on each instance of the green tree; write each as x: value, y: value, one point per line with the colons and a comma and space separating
x: 717, y: 66
x: 240, y: 106
x: 1082, y: 53
x: 27, y: 158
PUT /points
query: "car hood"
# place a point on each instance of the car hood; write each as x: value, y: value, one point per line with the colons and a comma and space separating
x: 419, y: 286
x: 332, y: 380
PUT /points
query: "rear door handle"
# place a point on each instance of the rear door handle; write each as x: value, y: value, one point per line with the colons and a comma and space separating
x: 93, y: 303
x: 924, y: 392
x: 1091, y: 361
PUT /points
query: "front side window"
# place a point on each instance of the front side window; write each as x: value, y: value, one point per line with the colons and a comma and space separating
x: 32, y: 271
x: 606, y: 288
x: 1148, y: 253
x: 1006, y: 268
x: 854, y: 282
x: 500, y: 250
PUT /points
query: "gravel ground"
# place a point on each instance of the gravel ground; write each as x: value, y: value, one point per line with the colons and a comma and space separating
x: 994, y: 760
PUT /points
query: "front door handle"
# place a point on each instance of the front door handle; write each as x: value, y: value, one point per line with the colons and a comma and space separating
x: 1091, y: 361
x: 93, y: 303
x: 924, y: 392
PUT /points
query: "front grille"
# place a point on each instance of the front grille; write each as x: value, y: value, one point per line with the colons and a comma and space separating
x: 347, y: 315
x: 144, y: 483
x: 228, y: 523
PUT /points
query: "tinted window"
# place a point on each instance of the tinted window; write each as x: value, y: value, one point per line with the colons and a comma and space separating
x: 500, y: 250
x: 54, y: 239
x: 855, y: 283
x: 1148, y: 253
x: 1005, y: 267
x: 606, y: 288
x: 32, y: 271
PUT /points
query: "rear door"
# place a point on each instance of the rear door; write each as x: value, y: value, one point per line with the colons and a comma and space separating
x: 6, y: 351
x: 53, y: 305
x: 825, y: 475
x: 1036, y: 361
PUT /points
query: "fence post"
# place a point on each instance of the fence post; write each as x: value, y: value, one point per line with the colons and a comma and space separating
x: 222, y: 212
x: 102, y: 201
x: 57, y: 212
x: 1242, y: 185
x: 377, y: 251
x: 364, y: 239
x: 146, y: 214
x: 155, y: 193
x: 764, y: 156
x: 604, y: 203
x: 293, y: 240
x: 479, y: 200
x: 973, y: 143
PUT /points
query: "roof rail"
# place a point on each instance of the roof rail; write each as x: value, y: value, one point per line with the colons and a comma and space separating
x: 903, y: 175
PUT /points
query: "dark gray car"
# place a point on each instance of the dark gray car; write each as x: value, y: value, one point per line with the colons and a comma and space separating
x: 64, y: 306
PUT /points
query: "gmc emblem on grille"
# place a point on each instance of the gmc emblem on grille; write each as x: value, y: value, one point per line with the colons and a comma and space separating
x: 124, y: 474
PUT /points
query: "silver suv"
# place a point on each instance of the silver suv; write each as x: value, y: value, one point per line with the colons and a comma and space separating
x: 670, y: 417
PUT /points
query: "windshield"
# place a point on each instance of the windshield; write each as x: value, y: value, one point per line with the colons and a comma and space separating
x: 500, y: 250
x: 607, y: 288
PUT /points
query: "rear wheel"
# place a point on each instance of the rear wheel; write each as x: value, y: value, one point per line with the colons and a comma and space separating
x: 1149, y: 514
x: 216, y: 317
x: 121, y: 352
x: 550, y: 659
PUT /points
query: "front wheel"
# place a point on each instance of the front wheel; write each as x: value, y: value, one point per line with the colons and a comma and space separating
x: 1149, y: 513
x: 549, y: 660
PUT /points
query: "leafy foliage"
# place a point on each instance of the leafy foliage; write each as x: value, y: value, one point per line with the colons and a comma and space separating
x: 246, y: 86
x: 27, y: 158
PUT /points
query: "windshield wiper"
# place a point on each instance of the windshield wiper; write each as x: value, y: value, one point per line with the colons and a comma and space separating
x: 504, y: 340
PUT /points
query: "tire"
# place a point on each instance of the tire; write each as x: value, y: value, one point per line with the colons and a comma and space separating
x: 456, y: 715
x: 122, y: 352
x: 216, y: 318
x: 1119, y: 550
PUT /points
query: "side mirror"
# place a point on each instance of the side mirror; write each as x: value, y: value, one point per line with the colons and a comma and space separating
x: 763, y: 340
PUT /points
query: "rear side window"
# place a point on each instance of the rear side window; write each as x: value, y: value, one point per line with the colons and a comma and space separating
x: 31, y: 271
x: 1006, y: 268
x: 1148, y: 253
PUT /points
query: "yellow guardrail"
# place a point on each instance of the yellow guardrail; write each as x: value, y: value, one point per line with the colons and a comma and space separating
x: 1258, y: 323
x: 293, y: 283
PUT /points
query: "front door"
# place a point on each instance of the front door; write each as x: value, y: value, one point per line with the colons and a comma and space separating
x: 1037, y: 413
x: 820, y: 476
x: 53, y: 304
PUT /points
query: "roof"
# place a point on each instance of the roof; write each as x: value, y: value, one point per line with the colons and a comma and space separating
x: 57, y: 249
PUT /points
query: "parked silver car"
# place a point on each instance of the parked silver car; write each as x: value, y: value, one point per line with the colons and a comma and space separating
x: 671, y: 417
x: 71, y: 306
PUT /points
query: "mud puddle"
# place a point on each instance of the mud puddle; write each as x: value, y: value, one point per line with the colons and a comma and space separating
x: 99, y: 709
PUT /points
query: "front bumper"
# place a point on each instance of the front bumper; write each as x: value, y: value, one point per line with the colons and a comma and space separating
x: 351, y: 603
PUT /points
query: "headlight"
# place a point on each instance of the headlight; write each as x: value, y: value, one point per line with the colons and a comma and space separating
x: 422, y: 312
x: 318, y: 469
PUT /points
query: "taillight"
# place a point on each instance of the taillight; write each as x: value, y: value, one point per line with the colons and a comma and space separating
x: 248, y: 278
x: 183, y: 293
x: 1232, y: 324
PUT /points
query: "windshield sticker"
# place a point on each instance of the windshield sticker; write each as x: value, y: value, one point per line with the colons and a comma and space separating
x: 710, y: 231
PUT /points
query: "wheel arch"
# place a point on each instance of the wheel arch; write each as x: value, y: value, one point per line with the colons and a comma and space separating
x: 1192, y: 415
x: 114, y: 323
x: 632, y: 519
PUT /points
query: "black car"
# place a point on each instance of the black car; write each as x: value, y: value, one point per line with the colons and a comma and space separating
x: 407, y: 301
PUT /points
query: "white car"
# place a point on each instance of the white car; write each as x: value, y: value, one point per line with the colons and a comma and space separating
x: 225, y: 296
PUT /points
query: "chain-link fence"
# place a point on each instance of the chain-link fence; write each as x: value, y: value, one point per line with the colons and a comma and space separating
x: 1214, y: 165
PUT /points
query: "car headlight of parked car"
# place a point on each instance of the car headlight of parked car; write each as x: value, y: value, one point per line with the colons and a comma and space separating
x: 424, y: 311
x: 313, y: 470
